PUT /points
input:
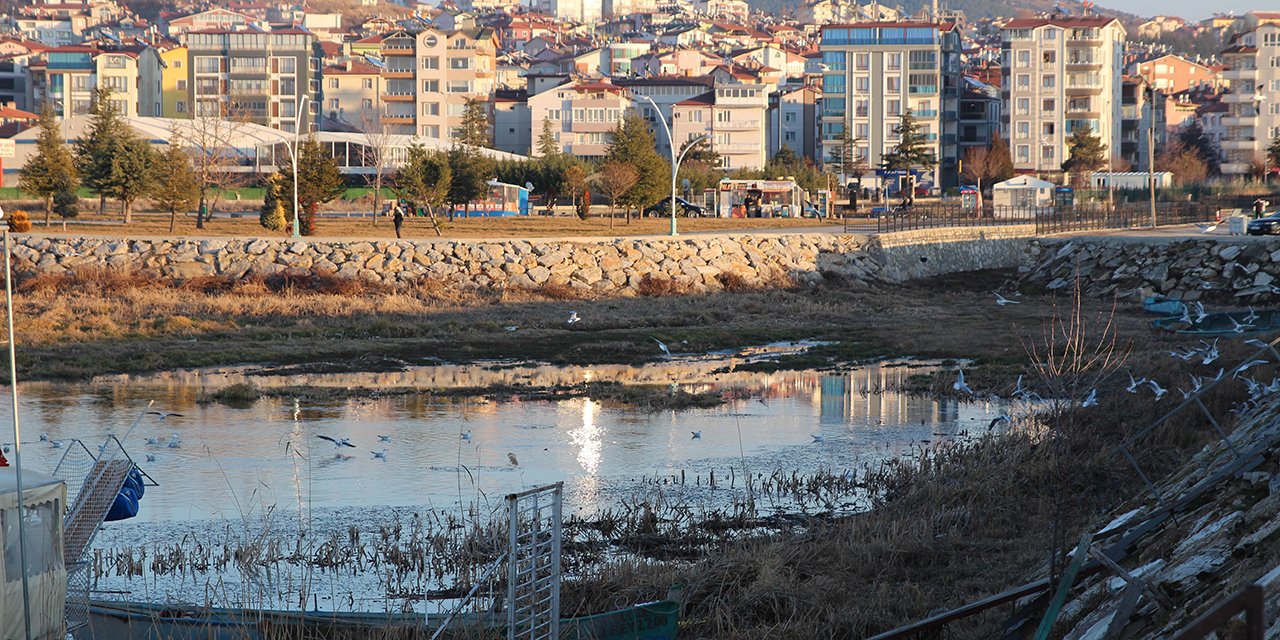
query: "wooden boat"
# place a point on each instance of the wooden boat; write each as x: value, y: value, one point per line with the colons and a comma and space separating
x: 144, y: 621
x: 1223, y: 324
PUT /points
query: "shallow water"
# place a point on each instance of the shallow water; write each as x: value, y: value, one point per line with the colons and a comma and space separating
x: 234, y: 465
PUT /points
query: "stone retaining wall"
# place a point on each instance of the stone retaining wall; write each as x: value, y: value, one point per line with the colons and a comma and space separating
x: 1240, y: 270
x: 611, y: 266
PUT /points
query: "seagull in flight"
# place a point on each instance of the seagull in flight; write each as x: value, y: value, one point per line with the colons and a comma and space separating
x: 1210, y: 352
x: 1159, y: 391
x: 1237, y: 327
x: 1208, y: 228
x: 663, y: 346
x: 1002, y: 301
x: 1091, y: 400
x: 1253, y: 315
x: 1200, y: 312
x: 697, y: 435
x: 174, y: 441
x: 164, y: 415
x: 511, y: 457
x: 573, y: 317
x: 1134, y: 384
x: 1184, y: 355
x: 382, y: 438
x: 342, y: 442
x: 1017, y: 387
x: 380, y: 455
x: 1248, y: 365
x: 960, y: 385
x: 817, y: 438
x: 997, y: 420
x: 1256, y: 343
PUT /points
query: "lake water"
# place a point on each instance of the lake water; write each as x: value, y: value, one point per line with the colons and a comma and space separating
x: 234, y: 465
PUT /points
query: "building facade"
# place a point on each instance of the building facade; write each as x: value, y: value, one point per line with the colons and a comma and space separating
x: 732, y: 116
x: 582, y: 116
x: 1060, y: 74
x: 1142, y: 121
x: 793, y: 121
x: 877, y: 71
x: 1252, y: 119
x: 264, y: 77
x: 429, y: 76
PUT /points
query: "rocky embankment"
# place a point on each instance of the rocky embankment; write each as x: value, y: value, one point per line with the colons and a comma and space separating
x: 1224, y: 269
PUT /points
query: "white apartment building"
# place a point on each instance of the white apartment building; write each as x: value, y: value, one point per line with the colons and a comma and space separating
x: 732, y: 116
x: 875, y: 72
x: 665, y: 91
x: 582, y: 116
x: 268, y: 77
x: 1060, y: 74
x: 585, y: 11
x: 429, y: 76
x: 1252, y: 119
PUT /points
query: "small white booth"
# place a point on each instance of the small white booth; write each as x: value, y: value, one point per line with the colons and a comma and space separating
x: 45, y: 498
x: 1023, y: 192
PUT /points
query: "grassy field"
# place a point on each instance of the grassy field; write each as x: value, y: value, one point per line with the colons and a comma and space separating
x: 157, y: 224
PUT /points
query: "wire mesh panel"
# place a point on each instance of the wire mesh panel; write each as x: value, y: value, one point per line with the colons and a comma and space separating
x: 533, y: 563
x: 77, y: 610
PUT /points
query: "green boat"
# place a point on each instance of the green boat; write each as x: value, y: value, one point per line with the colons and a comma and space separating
x: 1223, y: 324
x: 145, y: 621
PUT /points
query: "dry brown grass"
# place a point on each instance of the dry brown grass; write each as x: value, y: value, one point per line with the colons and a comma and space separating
x: 154, y: 224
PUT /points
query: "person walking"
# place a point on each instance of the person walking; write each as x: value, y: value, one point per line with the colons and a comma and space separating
x: 397, y: 217
x: 1259, y: 206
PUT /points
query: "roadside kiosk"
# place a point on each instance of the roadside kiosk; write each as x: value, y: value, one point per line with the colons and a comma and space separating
x: 759, y: 199
x: 45, y: 498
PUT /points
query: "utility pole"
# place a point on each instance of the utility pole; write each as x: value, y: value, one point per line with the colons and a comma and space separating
x: 1151, y: 149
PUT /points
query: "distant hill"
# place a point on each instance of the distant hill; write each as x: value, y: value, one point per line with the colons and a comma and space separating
x: 973, y: 9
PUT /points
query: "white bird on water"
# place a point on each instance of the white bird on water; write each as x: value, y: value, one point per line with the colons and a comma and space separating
x: 467, y: 435
x: 56, y: 444
x: 573, y: 317
x: 380, y: 455
x: 511, y: 329
x: 1002, y: 301
x: 44, y: 437
x: 1091, y: 400
x: 960, y: 385
x: 511, y: 457
x: 662, y: 345
x: 151, y: 457
x: 697, y: 435
x: 382, y: 438
x: 1155, y: 386
x: 817, y: 438
x: 174, y: 441
x: 338, y: 442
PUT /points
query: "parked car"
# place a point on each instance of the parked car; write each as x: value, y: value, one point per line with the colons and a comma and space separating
x: 663, y: 208
x: 1265, y: 226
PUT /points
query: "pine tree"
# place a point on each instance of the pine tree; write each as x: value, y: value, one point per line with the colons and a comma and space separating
x: 424, y: 181
x: 547, y: 145
x: 272, y: 215
x: 175, y: 187
x: 51, y: 170
x: 319, y: 181
x: 1193, y: 138
x: 469, y: 177
x: 912, y: 150
x: 101, y: 143
x: 133, y: 169
x: 1085, y: 154
x: 633, y: 144
x: 475, y: 124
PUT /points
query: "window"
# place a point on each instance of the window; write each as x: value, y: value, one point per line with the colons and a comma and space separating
x: 1023, y: 107
x: 1048, y: 81
x: 1049, y: 35
x: 459, y: 86
x: 1024, y: 81
x: 1049, y: 57
x: 861, y: 130
x: 333, y: 83
x: 893, y: 84
x: 368, y: 83
x: 366, y: 104
x: 433, y: 131
x: 431, y: 108
x: 1024, y: 59
x: 333, y: 103
x: 1047, y: 129
x: 287, y: 65
x: 177, y: 64
x: 1048, y: 105
x: 1047, y: 153
x: 181, y: 107
x: 789, y: 117
x: 182, y: 85
x: 431, y: 62
x: 287, y: 87
x: 117, y: 84
x: 862, y: 84
x: 431, y: 86
x: 1023, y: 130
x: 1024, y: 153
x: 893, y: 61
x: 894, y: 108
x: 208, y: 64
x: 248, y: 65
x: 862, y: 61
x: 459, y: 63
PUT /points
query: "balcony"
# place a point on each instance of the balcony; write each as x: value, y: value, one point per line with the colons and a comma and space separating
x: 1083, y: 64
x: 1239, y: 144
x: 1239, y: 73
x: 738, y: 125
x: 1084, y: 89
x: 397, y: 119
x: 1239, y: 121
x: 925, y: 113
x: 737, y: 147
x: 923, y: 90
x: 398, y: 97
x: 1238, y: 97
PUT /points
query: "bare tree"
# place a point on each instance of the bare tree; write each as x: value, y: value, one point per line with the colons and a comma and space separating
x: 213, y: 141
x: 614, y: 179
x: 376, y: 153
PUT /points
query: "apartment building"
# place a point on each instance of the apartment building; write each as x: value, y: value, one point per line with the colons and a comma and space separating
x: 1252, y: 119
x: 15, y: 77
x: 429, y: 76
x: 1060, y: 74
x: 875, y: 72
x: 980, y: 122
x: 175, y: 84
x: 352, y: 97
x: 585, y: 11
x: 1174, y: 74
x: 732, y: 116
x: 68, y: 77
x: 793, y: 121
x: 264, y: 76
x: 666, y: 92
x: 1142, y: 112
x: 513, y: 130
x: 582, y: 116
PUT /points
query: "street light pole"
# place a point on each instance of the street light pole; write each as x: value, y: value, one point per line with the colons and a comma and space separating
x: 1151, y: 149
x: 671, y: 142
x: 297, y: 127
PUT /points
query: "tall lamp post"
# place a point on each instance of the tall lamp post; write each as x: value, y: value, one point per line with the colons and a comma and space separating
x: 293, y: 152
x: 1258, y: 99
x: 1151, y: 148
x: 675, y: 158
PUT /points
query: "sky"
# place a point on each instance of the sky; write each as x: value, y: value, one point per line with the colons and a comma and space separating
x: 1189, y: 9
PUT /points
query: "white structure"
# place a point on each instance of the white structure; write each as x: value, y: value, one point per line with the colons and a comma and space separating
x: 1253, y: 117
x: 45, y: 498
x: 586, y: 11
x: 1022, y: 192
x: 1130, y: 179
x: 1061, y: 74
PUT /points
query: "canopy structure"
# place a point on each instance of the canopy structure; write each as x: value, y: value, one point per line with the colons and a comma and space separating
x: 45, y: 499
x: 1023, y: 191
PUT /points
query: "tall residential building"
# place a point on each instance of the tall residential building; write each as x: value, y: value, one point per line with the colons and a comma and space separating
x: 263, y: 76
x: 793, y: 121
x: 732, y: 116
x: 874, y: 73
x: 980, y: 121
x: 69, y: 75
x: 1142, y: 112
x: 175, y: 84
x: 429, y: 76
x: 1060, y: 74
x: 1253, y: 102
x: 582, y: 116
x: 665, y: 91
x: 352, y: 97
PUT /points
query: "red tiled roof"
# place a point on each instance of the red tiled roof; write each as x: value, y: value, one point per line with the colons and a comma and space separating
x: 9, y: 113
x: 702, y: 100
